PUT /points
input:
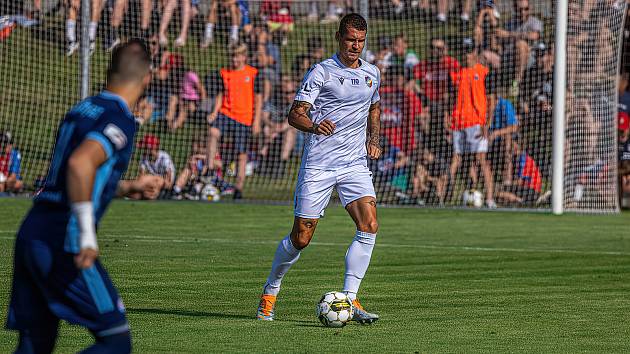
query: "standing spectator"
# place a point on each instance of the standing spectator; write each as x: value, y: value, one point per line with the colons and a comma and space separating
x: 167, y: 14
x: 503, y: 128
x: 71, y: 24
x: 156, y: 162
x: 237, y: 110
x: 211, y: 20
x: 468, y: 121
x: 402, y: 54
x: 519, y: 34
x: 10, y: 165
x: 276, y: 125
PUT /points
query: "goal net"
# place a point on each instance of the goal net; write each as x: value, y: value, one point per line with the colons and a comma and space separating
x: 466, y: 94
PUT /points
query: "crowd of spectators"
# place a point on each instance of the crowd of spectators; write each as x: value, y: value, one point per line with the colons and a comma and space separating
x: 473, y: 112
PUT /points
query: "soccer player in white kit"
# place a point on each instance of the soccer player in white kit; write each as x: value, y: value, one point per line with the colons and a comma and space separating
x: 337, y: 103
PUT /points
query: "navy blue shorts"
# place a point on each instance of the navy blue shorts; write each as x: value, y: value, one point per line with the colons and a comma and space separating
x: 238, y: 132
x: 47, y: 286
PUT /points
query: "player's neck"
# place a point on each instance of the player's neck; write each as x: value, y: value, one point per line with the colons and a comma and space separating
x: 348, y: 62
x: 130, y: 96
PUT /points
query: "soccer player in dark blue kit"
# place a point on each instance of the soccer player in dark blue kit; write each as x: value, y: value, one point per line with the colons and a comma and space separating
x: 56, y: 271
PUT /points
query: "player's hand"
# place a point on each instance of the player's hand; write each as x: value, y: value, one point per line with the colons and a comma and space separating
x: 256, y: 130
x: 211, y: 117
x: 148, y: 185
x: 326, y: 127
x: 374, y: 150
x: 85, y: 258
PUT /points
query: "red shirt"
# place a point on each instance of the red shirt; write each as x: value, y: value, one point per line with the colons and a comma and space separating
x: 435, y: 76
x: 399, y: 109
x: 529, y: 173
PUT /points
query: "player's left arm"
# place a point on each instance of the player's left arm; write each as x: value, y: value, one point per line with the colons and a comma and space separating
x: 374, y: 131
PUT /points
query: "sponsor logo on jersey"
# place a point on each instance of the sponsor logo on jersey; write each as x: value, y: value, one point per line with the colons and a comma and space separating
x: 355, y: 82
x: 368, y: 81
x: 247, y: 78
x: 116, y: 136
x: 341, y: 80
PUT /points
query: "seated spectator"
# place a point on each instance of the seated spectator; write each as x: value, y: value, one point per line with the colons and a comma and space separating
x: 519, y: 34
x: 236, y: 18
x: 167, y: 14
x: 156, y: 162
x: 527, y: 186
x: 276, y: 126
x: 277, y: 15
x: 10, y: 165
x: 237, y: 111
x: 503, y: 128
x: 442, y: 11
x: 390, y: 169
x: 485, y: 34
x: 197, y: 174
x: 336, y: 8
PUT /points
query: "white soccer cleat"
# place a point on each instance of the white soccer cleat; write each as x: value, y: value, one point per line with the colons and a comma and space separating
x: 72, y: 48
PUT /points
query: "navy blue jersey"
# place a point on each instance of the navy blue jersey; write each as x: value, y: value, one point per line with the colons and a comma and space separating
x: 106, y: 119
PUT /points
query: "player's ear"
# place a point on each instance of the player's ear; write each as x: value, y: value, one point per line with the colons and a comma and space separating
x: 337, y: 36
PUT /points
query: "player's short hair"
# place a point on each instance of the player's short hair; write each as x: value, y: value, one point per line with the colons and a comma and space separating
x: 130, y: 62
x: 235, y: 49
x: 352, y: 20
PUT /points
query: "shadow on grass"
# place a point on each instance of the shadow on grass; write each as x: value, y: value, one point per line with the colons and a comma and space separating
x: 191, y: 313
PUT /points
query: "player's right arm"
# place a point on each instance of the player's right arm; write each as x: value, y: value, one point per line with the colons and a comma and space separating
x: 81, y: 169
x: 304, y: 100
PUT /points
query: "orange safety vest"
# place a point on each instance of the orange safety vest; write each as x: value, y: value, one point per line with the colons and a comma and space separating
x: 471, y: 106
x: 238, y: 94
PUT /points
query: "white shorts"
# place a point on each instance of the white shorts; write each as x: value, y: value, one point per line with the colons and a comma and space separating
x: 314, y: 188
x: 469, y: 140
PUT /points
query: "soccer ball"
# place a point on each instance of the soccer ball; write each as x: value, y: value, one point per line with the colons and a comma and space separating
x: 335, y: 309
x: 473, y: 198
x: 210, y: 193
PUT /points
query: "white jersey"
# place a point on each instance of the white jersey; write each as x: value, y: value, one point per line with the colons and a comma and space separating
x: 344, y: 96
x: 160, y: 167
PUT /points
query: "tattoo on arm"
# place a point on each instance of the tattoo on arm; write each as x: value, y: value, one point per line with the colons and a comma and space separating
x: 374, y: 124
x: 299, y: 119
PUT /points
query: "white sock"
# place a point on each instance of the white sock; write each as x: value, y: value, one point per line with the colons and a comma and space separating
x: 71, y: 30
x: 465, y: 17
x: 286, y: 255
x: 357, y: 262
x: 92, y: 31
x: 441, y: 17
x: 177, y: 190
x: 234, y: 33
x: 209, y: 30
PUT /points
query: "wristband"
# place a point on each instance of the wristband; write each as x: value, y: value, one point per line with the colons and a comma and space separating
x: 84, y: 212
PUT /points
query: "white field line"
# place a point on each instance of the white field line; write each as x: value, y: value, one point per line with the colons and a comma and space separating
x: 188, y: 239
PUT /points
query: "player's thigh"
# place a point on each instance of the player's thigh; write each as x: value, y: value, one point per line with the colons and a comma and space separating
x: 353, y: 183
x: 312, y: 193
x: 459, y: 142
x: 475, y: 142
x: 28, y: 307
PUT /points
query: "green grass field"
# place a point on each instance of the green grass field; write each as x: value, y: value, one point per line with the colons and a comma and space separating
x: 442, y: 280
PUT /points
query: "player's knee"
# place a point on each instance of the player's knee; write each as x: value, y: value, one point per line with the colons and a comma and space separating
x: 370, y: 226
x: 301, y: 239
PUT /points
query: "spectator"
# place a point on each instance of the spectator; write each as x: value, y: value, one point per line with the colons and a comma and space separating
x: 390, y: 169
x: 277, y: 15
x: 519, y: 34
x: 402, y: 54
x: 383, y: 56
x: 434, y: 75
x: 442, y: 8
x: 624, y: 93
x: 314, y: 54
x: 235, y: 16
x: 624, y: 135
x: 484, y: 34
x: 237, y: 110
x: 336, y: 8
x: 192, y: 178
x: 191, y: 93
x: 527, y: 186
x: 162, y: 96
x: 167, y: 14
x: 156, y: 162
x: 503, y: 128
x: 10, y: 165
x: 276, y: 126
x: 71, y: 23
x: 468, y: 121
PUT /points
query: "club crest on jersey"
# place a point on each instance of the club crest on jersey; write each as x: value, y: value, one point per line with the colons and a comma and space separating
x: 341, y: 80
x: 368, y: 81
x: 476, y: 77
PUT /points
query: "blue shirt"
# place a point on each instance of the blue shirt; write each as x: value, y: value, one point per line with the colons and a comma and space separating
x: 504, y: 115
x: 106, y: 119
